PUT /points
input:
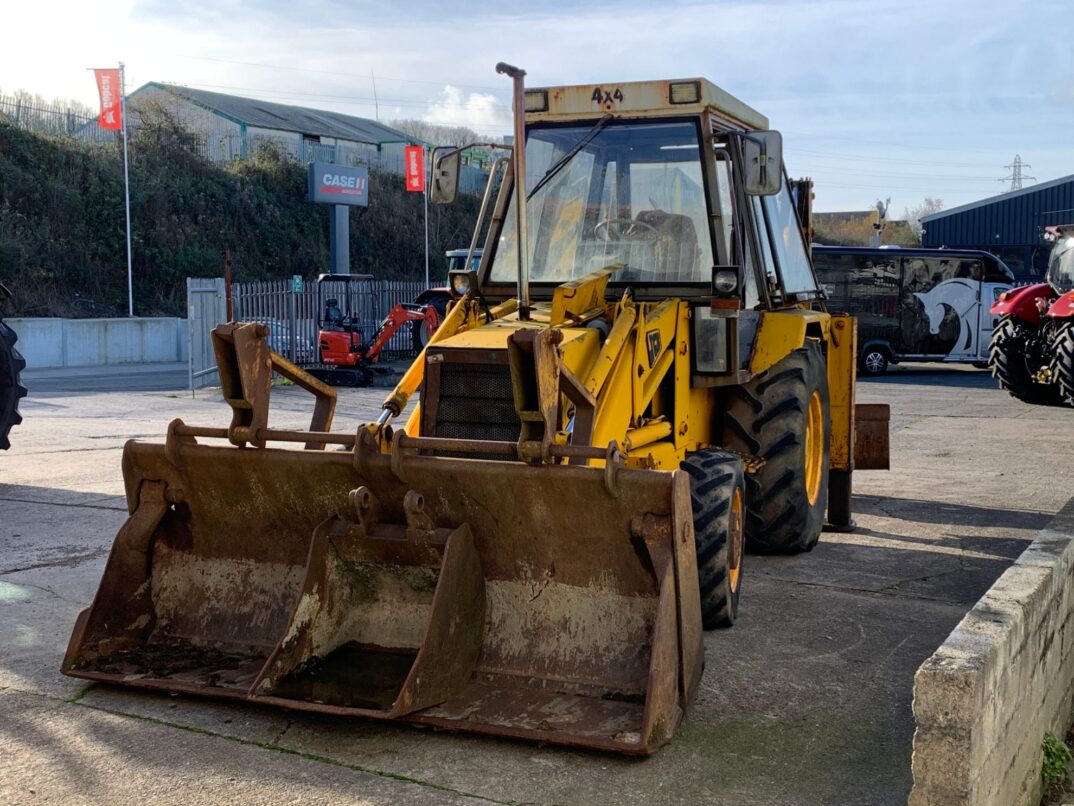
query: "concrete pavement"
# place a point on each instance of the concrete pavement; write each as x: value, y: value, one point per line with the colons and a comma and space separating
x: 805, y: 701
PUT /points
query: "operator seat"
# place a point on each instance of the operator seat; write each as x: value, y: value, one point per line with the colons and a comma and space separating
x: 678, y: 256
x: 333, y: 316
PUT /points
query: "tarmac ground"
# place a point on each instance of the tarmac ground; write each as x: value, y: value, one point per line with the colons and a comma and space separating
x: 805, y: 701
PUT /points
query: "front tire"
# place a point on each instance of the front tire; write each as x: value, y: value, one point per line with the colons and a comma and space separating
x: 1010, y: 363
x: 718, y: 495
x: 1063, y: 350
x: 782, y: 417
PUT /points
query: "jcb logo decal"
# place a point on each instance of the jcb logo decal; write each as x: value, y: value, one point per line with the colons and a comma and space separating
x: 607, y: 98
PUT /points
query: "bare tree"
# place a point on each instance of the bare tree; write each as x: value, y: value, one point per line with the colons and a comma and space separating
x: 914, y: 214
x: 431, y: 133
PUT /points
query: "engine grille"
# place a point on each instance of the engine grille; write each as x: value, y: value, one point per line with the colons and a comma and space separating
x: 476, y: 402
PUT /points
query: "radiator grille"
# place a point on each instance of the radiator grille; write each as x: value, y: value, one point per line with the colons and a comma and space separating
x: 476, y: 402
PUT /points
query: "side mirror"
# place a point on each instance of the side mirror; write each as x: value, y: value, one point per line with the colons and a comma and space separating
x: 445, y: 179
x: 763, y: 155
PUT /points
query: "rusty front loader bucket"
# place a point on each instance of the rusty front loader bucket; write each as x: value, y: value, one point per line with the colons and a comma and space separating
x: 557, y: 603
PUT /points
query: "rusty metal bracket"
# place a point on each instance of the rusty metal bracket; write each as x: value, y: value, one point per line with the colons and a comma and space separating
x: 535, y: 364
x: 174, y: 440
x: 246, y: 364
x: 419, y: 525
x: 365, y: 507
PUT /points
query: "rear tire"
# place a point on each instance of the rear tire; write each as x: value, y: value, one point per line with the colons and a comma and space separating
x: 1063, y: 350
x: 718, y: 494
x: 782, y: 417
x: 1008, y: 361
x: 419, y: 335
x: 11, y: 389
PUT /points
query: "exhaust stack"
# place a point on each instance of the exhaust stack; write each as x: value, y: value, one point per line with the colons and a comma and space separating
x: 519, y: 162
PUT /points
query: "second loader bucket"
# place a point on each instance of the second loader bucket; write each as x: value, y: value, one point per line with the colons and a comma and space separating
x: 551, y: 602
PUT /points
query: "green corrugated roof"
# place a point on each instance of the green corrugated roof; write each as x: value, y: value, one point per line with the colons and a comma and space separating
x: 284, y: 117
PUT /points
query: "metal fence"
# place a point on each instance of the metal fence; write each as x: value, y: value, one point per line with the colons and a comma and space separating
x: 45, y: 118
x: 293, y: 316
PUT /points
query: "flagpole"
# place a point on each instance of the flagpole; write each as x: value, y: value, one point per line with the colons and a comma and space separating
x: 126, y: 185
x: 425, y: 195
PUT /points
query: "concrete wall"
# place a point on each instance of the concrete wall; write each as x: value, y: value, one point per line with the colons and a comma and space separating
x: 1001, y: 680
x: 99, y: 342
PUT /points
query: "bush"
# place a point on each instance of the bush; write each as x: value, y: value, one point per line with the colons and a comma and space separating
x: 62, y: 244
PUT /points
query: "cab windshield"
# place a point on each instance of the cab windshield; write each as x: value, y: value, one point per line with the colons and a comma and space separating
x: 633, y: 195
x: 1061, y: 264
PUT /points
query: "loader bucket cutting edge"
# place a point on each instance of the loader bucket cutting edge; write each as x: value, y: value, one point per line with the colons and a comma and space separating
x: 516, y: 600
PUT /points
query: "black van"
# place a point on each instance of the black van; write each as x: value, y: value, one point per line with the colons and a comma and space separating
x: 914, y: 304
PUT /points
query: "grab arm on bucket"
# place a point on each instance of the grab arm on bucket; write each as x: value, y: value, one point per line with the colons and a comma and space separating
x: 246, y: 363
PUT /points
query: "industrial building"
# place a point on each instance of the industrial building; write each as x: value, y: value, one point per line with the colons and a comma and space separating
x: 1010, y: 226
x: 234, y: 126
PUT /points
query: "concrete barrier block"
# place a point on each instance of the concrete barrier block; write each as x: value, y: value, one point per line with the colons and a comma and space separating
x: 123, y: 341
x: 84, y: 343
x: 40, y: 341
x: 159, y: 340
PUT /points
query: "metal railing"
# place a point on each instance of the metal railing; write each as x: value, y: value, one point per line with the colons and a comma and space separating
x: 44, y: 118
x: 293, y: 316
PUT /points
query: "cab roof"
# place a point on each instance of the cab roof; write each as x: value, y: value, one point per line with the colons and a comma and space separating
x: 671, y: 97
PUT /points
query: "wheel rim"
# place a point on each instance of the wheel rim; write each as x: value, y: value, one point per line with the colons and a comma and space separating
x: 814, y: 447
x: 735, y: 540
x: 874, y: 362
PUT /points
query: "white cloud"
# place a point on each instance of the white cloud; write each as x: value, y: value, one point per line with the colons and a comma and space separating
x: 483, y: 112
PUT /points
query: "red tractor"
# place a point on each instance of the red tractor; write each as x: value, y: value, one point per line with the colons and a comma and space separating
x: 348, y: 351
x: 1032, y: 350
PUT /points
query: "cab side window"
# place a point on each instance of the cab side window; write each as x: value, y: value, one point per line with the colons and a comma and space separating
x: 785, y: 236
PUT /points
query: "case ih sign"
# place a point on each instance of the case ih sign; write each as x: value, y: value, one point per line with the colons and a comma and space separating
x: 339, y: 184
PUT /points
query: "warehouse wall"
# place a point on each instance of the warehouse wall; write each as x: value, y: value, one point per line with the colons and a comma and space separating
x: 1009, y: 226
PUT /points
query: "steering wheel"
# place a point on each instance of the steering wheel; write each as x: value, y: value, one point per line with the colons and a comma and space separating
x: 622, y: 229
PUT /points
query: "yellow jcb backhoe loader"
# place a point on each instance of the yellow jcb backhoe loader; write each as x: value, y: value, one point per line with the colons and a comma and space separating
x: 639, y: 382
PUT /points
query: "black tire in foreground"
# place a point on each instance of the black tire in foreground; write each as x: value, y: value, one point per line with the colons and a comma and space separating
x: 718, y: 494
x: 11, y: 389
x: 1063, y: 350
x: 1009, y: 359
x: 782, y: 417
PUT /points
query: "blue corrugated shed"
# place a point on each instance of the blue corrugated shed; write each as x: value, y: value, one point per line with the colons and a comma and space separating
x: 1009, y: 225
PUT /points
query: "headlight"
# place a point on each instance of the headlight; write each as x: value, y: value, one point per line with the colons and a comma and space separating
x: 462, y: 282
x: 711, y: 347
x: 725, y: 282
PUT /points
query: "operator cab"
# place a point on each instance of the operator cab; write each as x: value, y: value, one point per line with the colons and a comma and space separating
x: 667, y: 197
x: 1061, y: 261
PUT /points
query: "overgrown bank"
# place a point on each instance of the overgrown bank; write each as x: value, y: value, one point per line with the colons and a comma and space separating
x: 62, y: 248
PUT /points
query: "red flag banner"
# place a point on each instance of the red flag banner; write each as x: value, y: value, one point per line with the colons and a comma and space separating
x: 415, y: 168
x: 108, y: 88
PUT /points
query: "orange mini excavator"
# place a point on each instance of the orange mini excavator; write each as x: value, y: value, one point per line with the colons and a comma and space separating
x: 348, y: 351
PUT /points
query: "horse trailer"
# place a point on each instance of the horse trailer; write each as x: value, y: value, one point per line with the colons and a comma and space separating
x: 914, y: 304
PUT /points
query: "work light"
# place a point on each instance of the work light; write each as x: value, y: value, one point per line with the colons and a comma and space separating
x: 684, y: 92
x: 462, y: 281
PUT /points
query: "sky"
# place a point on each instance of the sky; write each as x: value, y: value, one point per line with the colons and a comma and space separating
x: 904, y: 100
